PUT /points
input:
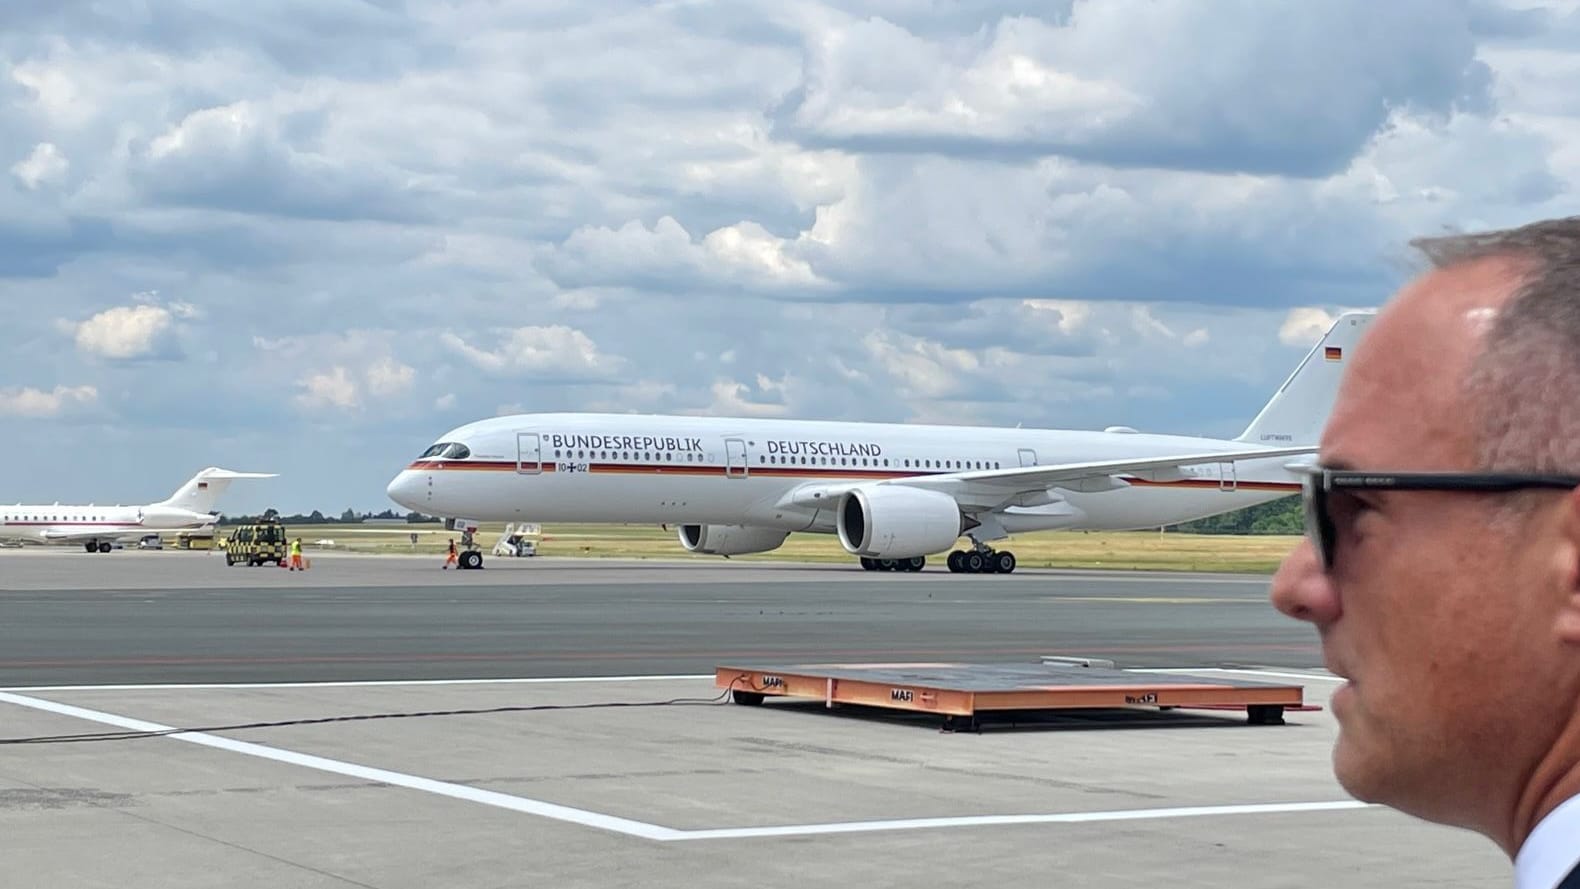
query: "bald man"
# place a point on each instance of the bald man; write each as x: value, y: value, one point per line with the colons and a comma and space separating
x: 1441, y: 567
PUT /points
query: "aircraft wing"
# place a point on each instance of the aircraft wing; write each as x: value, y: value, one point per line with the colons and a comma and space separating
x: 990, y: 488
x: 90, y: 534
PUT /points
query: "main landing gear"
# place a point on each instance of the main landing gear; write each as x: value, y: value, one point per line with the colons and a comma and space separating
x: 94, y: 546
x: 915, y: 563
x: 982, y: 560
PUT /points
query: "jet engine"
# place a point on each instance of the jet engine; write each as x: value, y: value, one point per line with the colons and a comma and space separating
x: 896, y: 522
x: 730, y: 540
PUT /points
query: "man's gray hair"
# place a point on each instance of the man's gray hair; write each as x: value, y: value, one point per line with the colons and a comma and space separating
x: 1524, y: 385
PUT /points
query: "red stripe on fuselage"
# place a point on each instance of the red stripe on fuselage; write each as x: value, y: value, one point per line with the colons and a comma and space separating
x: 714, y: 470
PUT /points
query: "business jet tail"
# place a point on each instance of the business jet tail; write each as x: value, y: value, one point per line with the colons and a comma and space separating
x: 202, y: 492
x: 1299, y: 409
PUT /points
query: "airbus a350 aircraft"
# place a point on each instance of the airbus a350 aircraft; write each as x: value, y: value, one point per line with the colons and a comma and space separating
x: 97, y: 528
x: 894, y: 493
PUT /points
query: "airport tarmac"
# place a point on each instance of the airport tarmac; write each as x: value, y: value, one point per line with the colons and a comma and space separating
x: 184, y: 616
x: 587, y: 791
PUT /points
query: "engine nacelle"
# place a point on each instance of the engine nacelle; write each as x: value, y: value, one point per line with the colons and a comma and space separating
x: 896, y: 522
x: 730, y: 540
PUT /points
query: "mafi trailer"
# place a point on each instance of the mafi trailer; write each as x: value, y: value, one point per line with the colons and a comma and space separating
x: 960, y: 692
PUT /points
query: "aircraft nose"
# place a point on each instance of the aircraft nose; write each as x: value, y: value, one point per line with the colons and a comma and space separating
x: 403, y: 489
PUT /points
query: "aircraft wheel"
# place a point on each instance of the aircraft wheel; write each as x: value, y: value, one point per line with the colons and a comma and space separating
x: 104, y: 547
x: 472, y: 560
x: 90, y: 546
x: 1004, y: 563
x: 914, y: 563
x: 954, y: 561
x: 973, y: 563
x: 868, y: 564
x: 887, y: 565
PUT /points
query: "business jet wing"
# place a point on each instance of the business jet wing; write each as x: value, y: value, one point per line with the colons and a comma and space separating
x: 991, y: 488
x: 55, y: 534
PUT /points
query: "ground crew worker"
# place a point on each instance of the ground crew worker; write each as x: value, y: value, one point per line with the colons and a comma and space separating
x: 296, y: 555
x: 451, y: 558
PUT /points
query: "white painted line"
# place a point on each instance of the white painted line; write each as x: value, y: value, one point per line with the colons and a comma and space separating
x: 368, y: 683
x: 643, y: 829
x: 741, y: 833
x: 413, y: 782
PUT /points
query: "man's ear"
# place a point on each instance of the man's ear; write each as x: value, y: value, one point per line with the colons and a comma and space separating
x: 1565, y: 567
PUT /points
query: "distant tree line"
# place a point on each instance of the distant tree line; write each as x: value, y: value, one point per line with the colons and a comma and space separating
x: 1282, y: 516
x: 349, y: 517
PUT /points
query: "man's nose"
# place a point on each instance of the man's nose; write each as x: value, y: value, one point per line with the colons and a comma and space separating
x: 1302, y: 590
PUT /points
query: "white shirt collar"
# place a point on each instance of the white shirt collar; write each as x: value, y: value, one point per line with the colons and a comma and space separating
x: 1551, y: 850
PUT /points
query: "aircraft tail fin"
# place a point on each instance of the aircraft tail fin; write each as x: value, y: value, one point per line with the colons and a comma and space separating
x: 1297, y: 412
x: 202, y: 492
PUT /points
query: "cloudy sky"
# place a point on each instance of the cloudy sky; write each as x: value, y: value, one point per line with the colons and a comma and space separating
x: 308, y: 236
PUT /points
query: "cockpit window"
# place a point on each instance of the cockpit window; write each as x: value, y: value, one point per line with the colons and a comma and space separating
x: 447, y: 450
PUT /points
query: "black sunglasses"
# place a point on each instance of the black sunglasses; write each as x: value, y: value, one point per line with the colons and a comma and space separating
x: 1320, y: 484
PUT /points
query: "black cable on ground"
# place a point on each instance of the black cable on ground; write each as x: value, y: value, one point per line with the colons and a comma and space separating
x: 137, y: 735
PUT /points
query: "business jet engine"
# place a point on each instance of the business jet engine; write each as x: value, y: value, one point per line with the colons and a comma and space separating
x: 730, y: 540
x: 894, y: 522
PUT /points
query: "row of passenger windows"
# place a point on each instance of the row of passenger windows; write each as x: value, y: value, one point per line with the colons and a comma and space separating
x: 661, y: 457
x: 52, y: 518
x: 782, y: 460
x: 908, y: 463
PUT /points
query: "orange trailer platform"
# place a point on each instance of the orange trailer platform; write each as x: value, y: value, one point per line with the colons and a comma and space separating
x: 964, y: 691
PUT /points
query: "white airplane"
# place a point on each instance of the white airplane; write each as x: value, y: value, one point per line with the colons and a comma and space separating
x: 894, y: 493
x: 97, y: 528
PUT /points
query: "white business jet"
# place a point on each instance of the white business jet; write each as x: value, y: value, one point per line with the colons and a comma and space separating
x: 97, y: 528
x: 893, y: 493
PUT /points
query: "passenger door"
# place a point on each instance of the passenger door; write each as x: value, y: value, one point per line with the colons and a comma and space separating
x: 529, y: 453
x: 736, y: 462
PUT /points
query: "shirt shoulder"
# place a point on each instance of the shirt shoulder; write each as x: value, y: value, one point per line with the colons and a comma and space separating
x: 1552, y: 851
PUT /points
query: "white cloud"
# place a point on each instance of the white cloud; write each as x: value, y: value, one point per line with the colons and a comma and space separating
x: 1072, y: 314
x: 126, y: 332
x: 36, y: 403
x: 733, y: 398
x: 744, y: 255
x: 926, y: 369
x: 346, y: 387
x: 333, y: 388
x: 556, y: 351
x: 1270, y: 87
x: 389, y: 377
x: 1305, y: 326
x: 45, y: 165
